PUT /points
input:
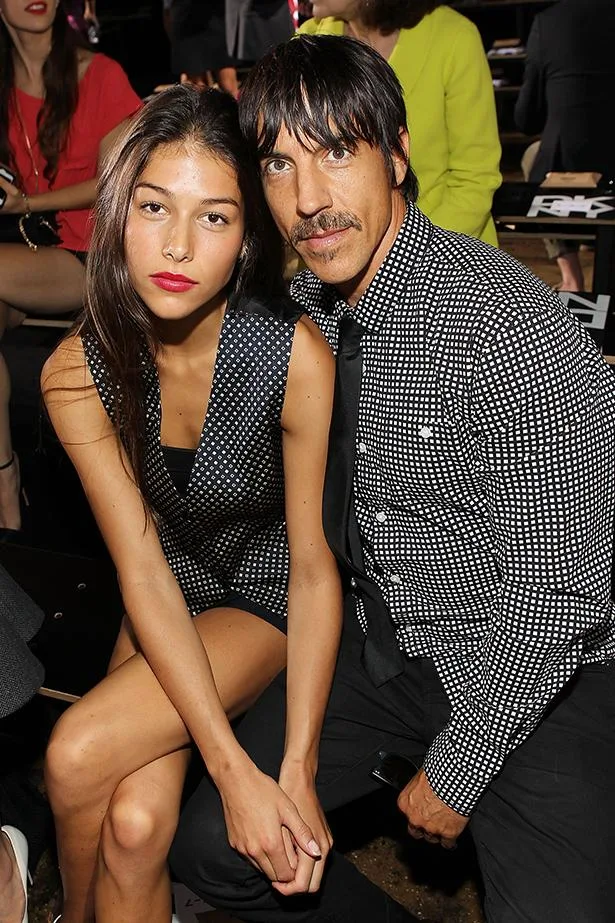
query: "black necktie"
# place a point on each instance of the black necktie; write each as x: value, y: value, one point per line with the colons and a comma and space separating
x: 381, y: 655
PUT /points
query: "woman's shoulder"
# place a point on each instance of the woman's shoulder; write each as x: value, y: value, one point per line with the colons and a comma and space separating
x: 328, y: 25
x: 449, y: 23
x: 66, y: 364
x: 97, y: 64
x: 276, y: 307
x: 105, y: 77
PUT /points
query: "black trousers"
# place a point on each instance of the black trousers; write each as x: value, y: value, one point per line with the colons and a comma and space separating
x: 544, y: 830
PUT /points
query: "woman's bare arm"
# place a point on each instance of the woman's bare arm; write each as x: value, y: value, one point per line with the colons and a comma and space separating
x: 314, y: 603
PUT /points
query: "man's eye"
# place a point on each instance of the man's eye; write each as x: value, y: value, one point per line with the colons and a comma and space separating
x: 339, y: 153
x: 275, y: 166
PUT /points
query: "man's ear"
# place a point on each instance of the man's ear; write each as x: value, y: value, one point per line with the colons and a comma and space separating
x: 400, y: 164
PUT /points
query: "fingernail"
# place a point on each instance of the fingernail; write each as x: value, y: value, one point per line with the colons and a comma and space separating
x: 314, y: 848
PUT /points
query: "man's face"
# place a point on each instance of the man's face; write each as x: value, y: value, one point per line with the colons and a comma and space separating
x: 337, y: 208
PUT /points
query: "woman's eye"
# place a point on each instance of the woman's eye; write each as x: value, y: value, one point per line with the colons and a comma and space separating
x: 152, y: 208
x: 215, y: 218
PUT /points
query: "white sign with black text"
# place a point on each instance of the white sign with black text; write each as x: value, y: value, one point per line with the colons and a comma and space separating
x: 566, y: 206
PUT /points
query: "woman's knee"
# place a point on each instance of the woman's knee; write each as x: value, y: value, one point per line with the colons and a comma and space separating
x: 135, y: 829
x: 74, y: 762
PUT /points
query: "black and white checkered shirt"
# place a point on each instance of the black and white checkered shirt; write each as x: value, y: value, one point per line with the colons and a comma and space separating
x: 484, y: 481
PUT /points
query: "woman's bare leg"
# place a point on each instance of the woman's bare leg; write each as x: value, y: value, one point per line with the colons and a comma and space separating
x: 48, y: 281
x: 572, y: 272
x: 10, y: 515
x: 132, y: 877
x: 126, y: 723
x: 12, y: 897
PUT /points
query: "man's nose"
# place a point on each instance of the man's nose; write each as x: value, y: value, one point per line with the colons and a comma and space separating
x: 313, y: 191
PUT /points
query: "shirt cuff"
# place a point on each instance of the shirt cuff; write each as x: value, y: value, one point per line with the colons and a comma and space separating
x: 459, y: 766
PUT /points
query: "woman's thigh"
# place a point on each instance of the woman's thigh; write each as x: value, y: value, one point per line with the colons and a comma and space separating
x: 50, y: 279
x: 127, y: 720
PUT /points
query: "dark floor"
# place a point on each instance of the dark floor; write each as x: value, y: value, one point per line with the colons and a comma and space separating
x: 66, y: 570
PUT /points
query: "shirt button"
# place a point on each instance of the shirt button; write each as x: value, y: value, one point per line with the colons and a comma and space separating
x: 395, y: 578
x: 381, y: 516
x: 353, y: 582
x: 362, y: 448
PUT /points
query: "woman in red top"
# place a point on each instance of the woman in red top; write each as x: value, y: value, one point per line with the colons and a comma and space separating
x: 61, y: 108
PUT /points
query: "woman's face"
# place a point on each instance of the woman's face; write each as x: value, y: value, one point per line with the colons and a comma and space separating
x: 34, y: 16
x: 184, y: 231
x: 340, y: 9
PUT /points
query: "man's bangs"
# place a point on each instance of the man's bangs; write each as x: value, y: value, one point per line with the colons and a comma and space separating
x: 310, y: 118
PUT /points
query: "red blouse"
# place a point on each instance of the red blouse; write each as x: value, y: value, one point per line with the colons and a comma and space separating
x: 106, y: 98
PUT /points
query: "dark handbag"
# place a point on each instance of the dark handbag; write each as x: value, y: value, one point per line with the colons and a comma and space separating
x: 36, y: 229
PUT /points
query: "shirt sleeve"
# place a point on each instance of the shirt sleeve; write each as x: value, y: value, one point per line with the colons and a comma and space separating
x: 115, y: 98
x: 473, y: 138
x: 542, y: 414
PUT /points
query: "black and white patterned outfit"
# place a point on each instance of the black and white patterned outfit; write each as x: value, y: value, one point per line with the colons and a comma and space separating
x: 484, y: 493
x: 226, y: 535
x: 483, y: 485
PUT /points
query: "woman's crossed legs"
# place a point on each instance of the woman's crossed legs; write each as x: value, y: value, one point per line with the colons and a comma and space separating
x: 116, y: 765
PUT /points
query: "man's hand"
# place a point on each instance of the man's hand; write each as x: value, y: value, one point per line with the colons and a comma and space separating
x: 428, y: 817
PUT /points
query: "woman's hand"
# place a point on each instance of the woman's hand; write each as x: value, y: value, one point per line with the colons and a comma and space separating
x: 15, y: 201
x: 264, y: 825
x: 298, y: 784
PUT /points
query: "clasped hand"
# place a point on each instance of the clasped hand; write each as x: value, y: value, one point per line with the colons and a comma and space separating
x: 15, y: 203
x: 429, y: 818
x: 279, y: 828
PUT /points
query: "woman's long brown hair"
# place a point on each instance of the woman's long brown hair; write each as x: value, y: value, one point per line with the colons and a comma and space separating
x: 114, y: 313
x: 61, y: 81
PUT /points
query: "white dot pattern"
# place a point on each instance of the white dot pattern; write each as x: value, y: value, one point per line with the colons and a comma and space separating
x: 484, y: 483
x: 228, y: 533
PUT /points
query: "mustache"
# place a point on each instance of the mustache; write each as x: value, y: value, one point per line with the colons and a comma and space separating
x: 327, y: 221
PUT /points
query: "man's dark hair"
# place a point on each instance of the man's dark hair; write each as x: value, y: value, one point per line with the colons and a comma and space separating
x: 328, y: 90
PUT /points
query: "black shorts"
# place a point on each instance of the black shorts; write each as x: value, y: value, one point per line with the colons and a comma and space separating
x: 237, y: 601
x: 80, y: 254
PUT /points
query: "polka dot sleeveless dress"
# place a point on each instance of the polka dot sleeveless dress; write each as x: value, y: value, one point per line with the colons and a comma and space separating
x: 227, y: 534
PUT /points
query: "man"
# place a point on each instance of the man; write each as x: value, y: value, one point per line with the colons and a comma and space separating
x: 480, y: 638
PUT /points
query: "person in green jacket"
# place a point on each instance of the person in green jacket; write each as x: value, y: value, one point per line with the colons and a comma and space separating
x: 440, y: 61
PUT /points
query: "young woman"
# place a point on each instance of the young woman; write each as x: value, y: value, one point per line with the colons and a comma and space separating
x: 61, y: 107
x: 194, y: 401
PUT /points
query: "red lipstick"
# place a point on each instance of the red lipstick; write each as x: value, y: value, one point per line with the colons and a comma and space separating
x: 37, y: 9
x: 172, y: 282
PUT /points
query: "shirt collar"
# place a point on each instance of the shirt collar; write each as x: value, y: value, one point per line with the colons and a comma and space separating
x: 391, y: 280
